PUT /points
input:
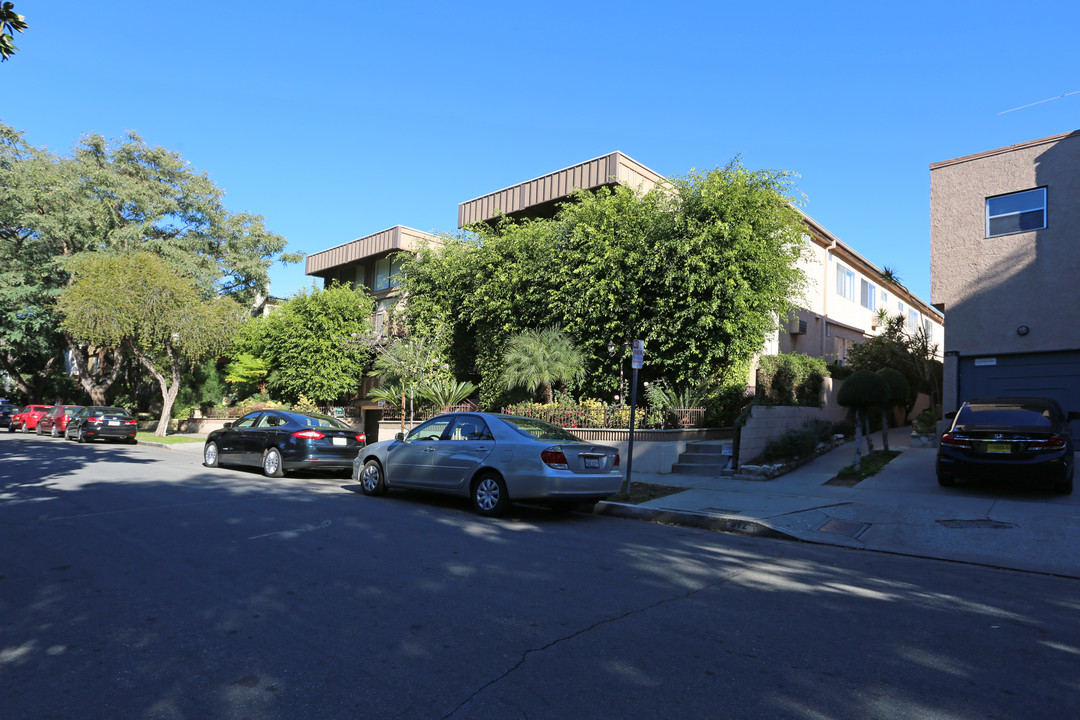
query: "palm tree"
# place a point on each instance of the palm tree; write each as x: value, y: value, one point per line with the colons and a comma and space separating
x: 889, y: 276
x: 537, y: 359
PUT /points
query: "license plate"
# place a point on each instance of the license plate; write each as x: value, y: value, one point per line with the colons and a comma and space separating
x: 114, y: 422
x: 591, y: 463
x: 998, y: 448
x: 338, y: 441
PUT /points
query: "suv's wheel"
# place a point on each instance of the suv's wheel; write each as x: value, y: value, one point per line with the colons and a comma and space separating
x: 271, y: 463
x: 371, y: 479
x: 489, y: 495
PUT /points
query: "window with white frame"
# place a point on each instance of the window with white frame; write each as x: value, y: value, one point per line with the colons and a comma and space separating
x: 845, y: 282
x: 867, y: 294
x: 1016, y: 212
x: 928, y: 328
x: 912, y: 320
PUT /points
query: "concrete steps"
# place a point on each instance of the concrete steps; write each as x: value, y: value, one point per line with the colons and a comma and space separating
x: 708, y: 457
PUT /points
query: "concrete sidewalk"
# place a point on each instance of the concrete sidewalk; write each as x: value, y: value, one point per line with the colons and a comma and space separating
x: 902, y: 509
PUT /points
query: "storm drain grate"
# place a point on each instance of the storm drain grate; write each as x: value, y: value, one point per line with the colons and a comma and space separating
x: 843, y: 527
x: 983, y: 524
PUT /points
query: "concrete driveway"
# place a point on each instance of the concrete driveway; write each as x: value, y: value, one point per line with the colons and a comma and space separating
x: 902, y: 509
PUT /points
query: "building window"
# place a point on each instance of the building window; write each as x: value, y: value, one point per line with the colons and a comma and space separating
x: 928, y: 328
x: 382, y: 315
x: 1016, y: 213
x: 867, y: 294
x: 845, y: 282
x: 913, y: 320
x: 387, y: 273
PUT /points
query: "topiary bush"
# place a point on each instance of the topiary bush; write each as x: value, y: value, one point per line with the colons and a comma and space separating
x: 790, y: 379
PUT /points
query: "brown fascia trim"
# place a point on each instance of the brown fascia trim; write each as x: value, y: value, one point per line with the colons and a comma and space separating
x: 827, y: 240
x: 1009, y: 149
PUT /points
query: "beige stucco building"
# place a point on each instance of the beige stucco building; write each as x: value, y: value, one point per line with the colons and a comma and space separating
x: 1005, y: 263
x: 840, y: 307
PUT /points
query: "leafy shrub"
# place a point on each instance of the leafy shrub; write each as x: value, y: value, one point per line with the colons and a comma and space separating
x: 925, y: 422
x: 791, y: 379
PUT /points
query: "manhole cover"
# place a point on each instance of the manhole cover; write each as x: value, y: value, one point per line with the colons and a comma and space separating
x: 843, y: 527
x: 983, y: 523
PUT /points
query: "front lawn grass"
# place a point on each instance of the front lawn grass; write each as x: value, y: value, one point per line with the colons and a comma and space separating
x: 168, y: 439
x: 870, y: 465
x: 644, y: 492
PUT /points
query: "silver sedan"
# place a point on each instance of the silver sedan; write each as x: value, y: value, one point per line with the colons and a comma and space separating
x: 492, y: 459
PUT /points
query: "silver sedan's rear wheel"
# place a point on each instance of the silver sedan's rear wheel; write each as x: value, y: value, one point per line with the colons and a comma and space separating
x: 371, y: 479
x: 210, y: 455
x: 489, y: 495
x: 271, y: 463
x: 54, y: 432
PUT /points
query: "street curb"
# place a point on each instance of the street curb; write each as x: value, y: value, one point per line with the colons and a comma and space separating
x: 738, y: 526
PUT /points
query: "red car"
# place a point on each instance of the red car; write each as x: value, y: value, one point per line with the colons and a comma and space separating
x: 55, y: 421
x: 27, y: 418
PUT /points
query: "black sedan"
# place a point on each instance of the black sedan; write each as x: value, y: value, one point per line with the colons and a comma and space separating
x: 280, y: 440
x: 1009, y: 438
x: 102, y: 421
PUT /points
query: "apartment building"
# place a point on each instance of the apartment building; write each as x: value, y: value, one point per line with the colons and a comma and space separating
x: 1005, y: 258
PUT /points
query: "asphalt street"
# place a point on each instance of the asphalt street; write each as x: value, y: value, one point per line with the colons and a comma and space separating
x: 136, y: 583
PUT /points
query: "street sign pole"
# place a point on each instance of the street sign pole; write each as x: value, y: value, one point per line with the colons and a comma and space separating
x: 637, y: 361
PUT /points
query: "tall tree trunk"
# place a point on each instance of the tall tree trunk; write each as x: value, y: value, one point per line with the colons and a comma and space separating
x: 866, y: 432
x: 98, y: 383
x: 168, y: 390
x: 858, y: 439
x: 32, y: 385
x: 885, y: 429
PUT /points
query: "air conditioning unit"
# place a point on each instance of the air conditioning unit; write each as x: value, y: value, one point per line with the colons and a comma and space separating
x: 798, y: 327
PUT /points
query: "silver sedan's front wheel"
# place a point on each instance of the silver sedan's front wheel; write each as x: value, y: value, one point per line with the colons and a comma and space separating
x: 371, y: 479
x: 489, y: 495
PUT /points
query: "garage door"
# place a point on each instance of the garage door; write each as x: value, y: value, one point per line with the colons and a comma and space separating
x: 1052, y: 375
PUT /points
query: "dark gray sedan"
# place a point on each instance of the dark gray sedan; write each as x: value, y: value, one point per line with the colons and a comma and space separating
x: 281, y: 440
x: 492, y: 459
x: 104, y: 422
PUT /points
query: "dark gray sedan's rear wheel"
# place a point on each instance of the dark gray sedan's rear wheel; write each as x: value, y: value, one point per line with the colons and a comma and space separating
x: 271, y: 463
x: 371, y: 478
x: 210, y: 455
x: 80, y: 437
x: 489, y: 495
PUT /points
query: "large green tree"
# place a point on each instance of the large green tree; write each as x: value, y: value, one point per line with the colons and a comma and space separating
x: 309, y: 343
x: 699, y: 267
x: 141, y: 303
x: 121, y: 195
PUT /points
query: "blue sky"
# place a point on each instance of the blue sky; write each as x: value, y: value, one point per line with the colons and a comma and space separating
x: 335, y: 120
